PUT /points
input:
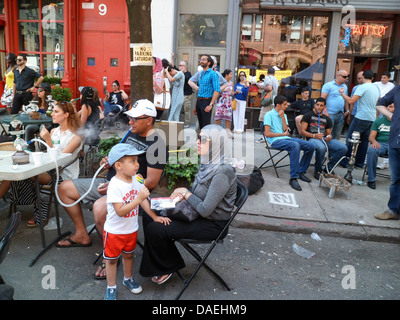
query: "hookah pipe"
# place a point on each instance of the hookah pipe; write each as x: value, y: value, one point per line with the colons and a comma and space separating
x: 355, y: 140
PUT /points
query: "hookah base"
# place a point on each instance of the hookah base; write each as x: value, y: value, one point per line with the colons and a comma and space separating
x: 335, y: 183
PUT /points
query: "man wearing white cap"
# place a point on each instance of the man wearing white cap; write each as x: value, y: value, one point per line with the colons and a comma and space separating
x: 142, y: 136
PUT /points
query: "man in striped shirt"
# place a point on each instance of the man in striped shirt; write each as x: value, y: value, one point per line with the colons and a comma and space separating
x: 208, y: 91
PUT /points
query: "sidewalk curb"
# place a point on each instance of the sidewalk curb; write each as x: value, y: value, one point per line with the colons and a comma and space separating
x: 331, y: 229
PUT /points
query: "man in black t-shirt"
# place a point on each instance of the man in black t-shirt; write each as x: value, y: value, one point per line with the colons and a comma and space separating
x: 142, y: 135
x: 305, y: 104
x: 24, y: 84
x: 316, y: 127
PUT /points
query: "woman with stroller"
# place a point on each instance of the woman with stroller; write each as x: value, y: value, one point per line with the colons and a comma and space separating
x: 114, y: 101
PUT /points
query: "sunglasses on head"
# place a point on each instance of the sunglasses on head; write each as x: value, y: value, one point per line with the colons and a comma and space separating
x: 203, y: 139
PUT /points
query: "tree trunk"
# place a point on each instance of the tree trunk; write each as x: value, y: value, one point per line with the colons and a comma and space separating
x: 139, y: 15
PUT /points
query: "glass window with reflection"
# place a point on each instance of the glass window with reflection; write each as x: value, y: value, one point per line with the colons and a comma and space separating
x: 202, y: 30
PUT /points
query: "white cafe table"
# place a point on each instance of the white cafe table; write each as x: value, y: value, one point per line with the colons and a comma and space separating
x: 26, y: 171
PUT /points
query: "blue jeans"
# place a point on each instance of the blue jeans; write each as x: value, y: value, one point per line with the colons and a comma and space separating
x: 108, y: 107
x: 294, y: 146
x: 372, y: 159
x: 337, y: 124
x: 394, y: 168
x: 364, y: 128
x: 336, y: 148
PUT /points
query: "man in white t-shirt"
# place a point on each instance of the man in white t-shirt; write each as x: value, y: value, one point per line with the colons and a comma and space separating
x: 384, y: 85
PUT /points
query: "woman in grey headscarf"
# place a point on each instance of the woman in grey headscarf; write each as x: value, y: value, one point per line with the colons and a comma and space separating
x: 212, y: 195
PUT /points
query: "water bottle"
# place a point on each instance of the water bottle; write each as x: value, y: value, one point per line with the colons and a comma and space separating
x: 56, y: 142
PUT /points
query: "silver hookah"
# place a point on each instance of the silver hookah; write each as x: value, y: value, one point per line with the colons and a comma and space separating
x: 50, y: 103
x: 355, y: 140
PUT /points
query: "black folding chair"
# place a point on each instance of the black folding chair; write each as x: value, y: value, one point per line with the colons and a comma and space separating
x: 274, y: 163
x: 6, y: 292
x: 241, y: 197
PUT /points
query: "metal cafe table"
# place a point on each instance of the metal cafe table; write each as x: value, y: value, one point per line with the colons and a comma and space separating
x: 26, y: 119
x: 11, y: 172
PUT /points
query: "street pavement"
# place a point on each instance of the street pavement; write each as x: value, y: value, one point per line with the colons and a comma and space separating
x: 290, y: 212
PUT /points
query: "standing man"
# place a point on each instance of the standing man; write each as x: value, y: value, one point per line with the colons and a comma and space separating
x: 353, y: 106
x: 393, y: 96
x: 384, y: 85
x: 269, y: 80
x: 187, y: 92
x: 367, y: 95
x: 24, y: 84
x: 208, y: 91
x: 336, y: 107
x: 316, y: 128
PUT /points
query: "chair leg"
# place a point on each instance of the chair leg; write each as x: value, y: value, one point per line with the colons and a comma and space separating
x: 201, y: 263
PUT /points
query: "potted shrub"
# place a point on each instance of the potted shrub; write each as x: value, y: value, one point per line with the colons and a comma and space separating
x: 61, y: 94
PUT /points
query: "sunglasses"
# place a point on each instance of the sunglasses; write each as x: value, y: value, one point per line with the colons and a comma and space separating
x: 134, y: 120
x: 346, y: 77
x: 19, y: 59
x: 40, y: 90
x: 203, y: 139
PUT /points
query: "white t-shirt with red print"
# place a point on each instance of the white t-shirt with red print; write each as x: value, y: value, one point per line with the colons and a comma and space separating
x: 119, y: 191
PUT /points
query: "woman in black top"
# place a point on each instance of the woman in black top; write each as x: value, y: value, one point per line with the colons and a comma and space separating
x: 90, y: 114
x: 114, y: 101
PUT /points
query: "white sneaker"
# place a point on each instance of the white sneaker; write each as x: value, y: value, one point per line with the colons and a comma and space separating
x: 384, y: 164
x: 261, y: 140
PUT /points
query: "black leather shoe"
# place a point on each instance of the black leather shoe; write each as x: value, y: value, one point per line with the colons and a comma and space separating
x: 304, y: 178
x: 371, y: 184
x: 295, y: 184
x: 316, y: 175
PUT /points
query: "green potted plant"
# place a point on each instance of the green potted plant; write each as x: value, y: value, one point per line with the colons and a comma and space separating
x: 61, y: 94
x: 182, y: 168
x: 52, y: 81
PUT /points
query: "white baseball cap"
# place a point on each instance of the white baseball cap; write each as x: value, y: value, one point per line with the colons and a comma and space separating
x: 141, y: 108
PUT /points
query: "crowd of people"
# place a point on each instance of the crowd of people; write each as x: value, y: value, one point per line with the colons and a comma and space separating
x: 135, y: 165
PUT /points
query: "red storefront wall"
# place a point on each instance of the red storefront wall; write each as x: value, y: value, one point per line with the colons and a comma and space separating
x: 96, y: 42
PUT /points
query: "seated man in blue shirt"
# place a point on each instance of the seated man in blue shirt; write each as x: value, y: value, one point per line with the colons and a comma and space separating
x: 277, y: 132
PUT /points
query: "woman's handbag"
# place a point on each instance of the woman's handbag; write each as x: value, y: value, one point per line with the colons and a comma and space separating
x: 253, y: 181
x: 266, y: 98
x: 234, y: 101
x: 183, y: 211
x: 163, y: 100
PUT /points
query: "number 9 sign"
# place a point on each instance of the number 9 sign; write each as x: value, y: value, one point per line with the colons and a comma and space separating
x: 102, y: 9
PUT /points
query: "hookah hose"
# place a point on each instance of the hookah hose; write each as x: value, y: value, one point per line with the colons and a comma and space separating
x: 58, y: 176
x: 327, y: 149
x: 140, y: 179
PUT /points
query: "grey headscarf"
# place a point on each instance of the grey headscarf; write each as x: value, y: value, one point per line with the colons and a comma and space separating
x: 218, y: 154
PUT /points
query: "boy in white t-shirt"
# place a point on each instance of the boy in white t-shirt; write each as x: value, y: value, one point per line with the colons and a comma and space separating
x: 125, y: 193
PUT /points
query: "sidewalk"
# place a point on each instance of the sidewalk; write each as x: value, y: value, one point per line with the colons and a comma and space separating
x: 315, y: 211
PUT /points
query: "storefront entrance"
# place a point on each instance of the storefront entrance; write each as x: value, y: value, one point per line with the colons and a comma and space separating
x: 192, y: 57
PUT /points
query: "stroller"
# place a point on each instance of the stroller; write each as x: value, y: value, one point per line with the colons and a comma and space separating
x: 117, y: 121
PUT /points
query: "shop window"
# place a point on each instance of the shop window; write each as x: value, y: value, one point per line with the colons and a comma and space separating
x: 29, y: 36
x: 28, y: 9
x: 41, y: 34
x: 366, y: 38
x: 53, y: 65
x: 294, y: 44
x: 202, y: 30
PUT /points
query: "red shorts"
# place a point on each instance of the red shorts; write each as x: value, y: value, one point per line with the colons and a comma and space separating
x: 115, y: 244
